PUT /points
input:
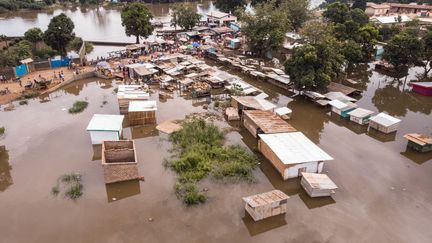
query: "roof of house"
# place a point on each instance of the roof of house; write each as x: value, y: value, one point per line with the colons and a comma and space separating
x: 319, y: 181
x: 384, y: 119
x: 294, y: 148
x: 222, y: 30
x: 338, y: 104
x: 217, y: 14
x: 419, y: 139
x: 412, y: 6
x: 377, y: 6
x: 266, y: 198
x: 26, y: 61
x: 337, y: 87
x: 282, y: 111
x: 422, y: 84
x: 254, y: 102
x: 360, y: 113
x: 392, y: 19
x: 143, y: 71
x: 137, y: 106
x: 339, y: 96
x: 103, y: 122
x: 269, y: 122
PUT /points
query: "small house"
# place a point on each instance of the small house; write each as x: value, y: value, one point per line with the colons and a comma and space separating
x: 220, y: 18
x: 342, y: 108
x: 292, y: 153
x: 419, y: 142
x: 251, y: 103
x: 142, y: 112
x: 105, y: 128
x: 318, y: 185
x: 283, y: 112
x: 266, y: 204
x: 119, y: 161
x: 384, y: 123
x: 128, y: 93
x: 234, y: 43
x: 258, y: 122
x: 360, y: 116
x: 423, y: 88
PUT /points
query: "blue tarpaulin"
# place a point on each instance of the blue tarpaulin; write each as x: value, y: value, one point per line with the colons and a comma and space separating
x: 21, y: 70
x: 64, y: 62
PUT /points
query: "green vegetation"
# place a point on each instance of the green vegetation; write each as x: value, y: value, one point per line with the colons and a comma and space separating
x: 2, y: 130
x: 71, y: 184
x: 34, y: 35
x: 184, y: 16
x: 78, y: 107
x: 229, y: 5
x: 76, y: 43
x: 13, y: 5
x: 200, y: 152
x: 28, y: 96
x: 23, y: 102
x: 59, y: 33
x: 136, y: 20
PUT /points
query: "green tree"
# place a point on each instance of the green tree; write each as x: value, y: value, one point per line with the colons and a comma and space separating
x: 76, y: 43
x: 359, y: 17
x: 184, y: 16
x: 352, y: 52
x: 136, y: 20
x: 367, y: 37
x: 298, y: 12
x: 403, y: 50
x: 359, y: 4
x: 265, y: 30
x: 59, y: 33
x: 337, y: 13
x: 316, y: 65
x: 315, y: 31
x: 427, y: 52
x: 34, y: 35
x: 229, y: 5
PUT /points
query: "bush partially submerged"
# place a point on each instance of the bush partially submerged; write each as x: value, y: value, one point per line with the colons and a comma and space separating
x: 78, y: 107
x: 28, y: 96
x: 2, y: 130
x: 71, y: 184
x: 201, y: 153
x: 23, y: 102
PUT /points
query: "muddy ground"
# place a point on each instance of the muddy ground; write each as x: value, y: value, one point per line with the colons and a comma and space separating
x: 384, y: 194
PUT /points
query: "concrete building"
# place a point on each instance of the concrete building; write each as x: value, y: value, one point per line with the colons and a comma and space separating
x: 105, y: 128
x: 384, y: 123
x: 386, y: 9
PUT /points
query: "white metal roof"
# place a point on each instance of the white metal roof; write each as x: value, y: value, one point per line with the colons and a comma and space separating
x: 360, y: 113
x: 338, y: 104
x: 123, y: 87
x: 102, y: 122
x: 294, y: 148
x: 148, y: 105
x: 385, y: 119
x: 319, y: 181
x: 338, y: 96
x: 282, y: 111
x: 392, y: 19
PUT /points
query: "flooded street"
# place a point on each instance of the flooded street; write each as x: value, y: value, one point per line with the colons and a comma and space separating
x: 384, y: 191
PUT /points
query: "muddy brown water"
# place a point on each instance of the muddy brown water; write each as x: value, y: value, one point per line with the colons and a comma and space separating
x: 384, y: 195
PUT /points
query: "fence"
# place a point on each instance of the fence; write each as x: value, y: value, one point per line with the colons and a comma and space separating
x: 8, y: 72
x: 56, y: 63
x: 42, y: 65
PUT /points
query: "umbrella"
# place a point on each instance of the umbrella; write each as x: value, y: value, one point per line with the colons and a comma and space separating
x: 195, y: 44
x: 189, y: 46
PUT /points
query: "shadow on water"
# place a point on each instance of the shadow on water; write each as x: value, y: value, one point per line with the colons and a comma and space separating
x: 417, y: 157
x: 97, y: 152
x: 144, y: 131
x: 122, y: 190
x: 315, y: 202
x: 5, y: 169
x: 345, y: 122
x: 264, y: 225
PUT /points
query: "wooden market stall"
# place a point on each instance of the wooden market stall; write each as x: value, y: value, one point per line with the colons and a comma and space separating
x: 251, y: 103
x: 142, y: 112
x: 119, y: 161
x: 128, y: 93
x: 419, y: 142
x: 257, y: 122
x: 318, y: 185
x: 384, y: 123
x: 292, y: 153
x: 266, y: 204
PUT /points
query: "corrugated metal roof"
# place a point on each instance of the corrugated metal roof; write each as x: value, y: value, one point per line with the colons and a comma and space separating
x: 338, y: 104
x: 334, y: 95
x: 392, y: 19
x: 136, y: 106
x: 384, y: 119
x: 294, y: 148
x: 269, y: 122
x: 319, y: 181
x: 360, y: 113
x: 282, y: 111
x: 265, y: 198
x: 102, y: 122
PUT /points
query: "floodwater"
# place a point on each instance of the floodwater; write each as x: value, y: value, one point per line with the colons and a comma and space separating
x: 384, y: 190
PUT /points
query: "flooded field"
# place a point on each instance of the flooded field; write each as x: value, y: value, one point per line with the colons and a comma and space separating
x: 384, y: 190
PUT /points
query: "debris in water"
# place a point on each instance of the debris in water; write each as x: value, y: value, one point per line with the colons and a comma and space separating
x: 150, y: 219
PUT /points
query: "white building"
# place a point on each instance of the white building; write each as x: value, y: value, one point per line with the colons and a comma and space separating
x: 292, y: 153
x: 360, y: 116
x: 384, y: 123
x: 105, y: 128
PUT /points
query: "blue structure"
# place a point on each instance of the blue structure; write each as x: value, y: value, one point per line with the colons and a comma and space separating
x: 63, y: 62
x: 235, y: 27
x: 21, y: 70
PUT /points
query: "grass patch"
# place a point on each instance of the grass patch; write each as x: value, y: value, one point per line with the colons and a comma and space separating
x: 70, y: 184
x: 28, y: 96
x: 2, y: 130
x: 200, y: 153
x: 23, y: 102
x: 78, y: 107
x: 116, y: 90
